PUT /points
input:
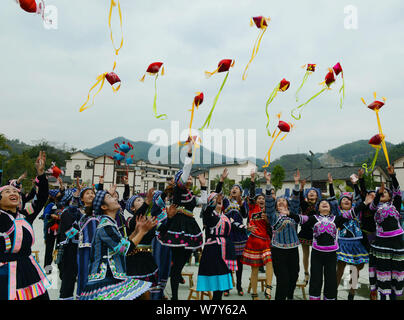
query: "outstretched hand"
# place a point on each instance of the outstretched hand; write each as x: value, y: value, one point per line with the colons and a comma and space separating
x: 267, y: 176
x: 40, y: 163
x: 296, y: 176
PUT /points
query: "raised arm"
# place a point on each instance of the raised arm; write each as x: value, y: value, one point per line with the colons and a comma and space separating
x: 395, y: 189
x: 303, y: 204
x: 43, y: 188
x: 203, y: 199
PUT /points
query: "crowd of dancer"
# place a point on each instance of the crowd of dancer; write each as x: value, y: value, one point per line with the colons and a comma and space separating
x: 101, y: 255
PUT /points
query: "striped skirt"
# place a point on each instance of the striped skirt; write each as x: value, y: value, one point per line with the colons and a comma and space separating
x: 257, y: 252
x: 352, y: 252
x: 386, y: 265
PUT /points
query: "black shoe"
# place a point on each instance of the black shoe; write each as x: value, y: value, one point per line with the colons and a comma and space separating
x: 351, y: 296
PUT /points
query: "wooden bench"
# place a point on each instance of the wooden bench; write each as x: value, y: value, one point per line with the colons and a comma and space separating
x: 302, y: 286
x: 198, y: 295
x: 36, y: 253
x: 262, y: 280
x: 190, y: 276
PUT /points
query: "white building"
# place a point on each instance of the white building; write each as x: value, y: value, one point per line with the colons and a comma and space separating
x: 236, y: 173
x: 142, y: 175
x: 399, y: 170
x: 320, y: 178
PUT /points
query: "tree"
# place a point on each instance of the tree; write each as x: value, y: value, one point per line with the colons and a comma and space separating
x: 245, y: 183
x: 277, y: 176
x: 227, y: 184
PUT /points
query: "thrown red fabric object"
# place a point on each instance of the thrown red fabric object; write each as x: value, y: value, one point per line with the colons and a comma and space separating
x: 376, y: 105
x: 284, y: 85
x: 154, y: 67
x: 198, y: 99
x: 28, y: 5
x: 337, y: 69
x: 112, y: 78
x: 224, y: 65
x: 283, y: 126
x: 260, y: 20
x: 329, y: 78
x: 376, y: 140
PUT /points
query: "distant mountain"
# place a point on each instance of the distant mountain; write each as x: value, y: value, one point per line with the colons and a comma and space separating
x: 142, y: 149
x: 354, y: 153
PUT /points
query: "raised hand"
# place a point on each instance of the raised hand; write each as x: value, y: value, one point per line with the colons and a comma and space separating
x: 172, y: 211
x: 125, y: 180
x: 382, y: 188
x: 149, y: 196
x: 252, y: 174
x: 361, y: 172
x: 40, y: 163
x: 78, y: 188
x: 22, y: 177
x: 224, y: 175
x: 390, y: 170
x: 354, y: 178
x: 369, y: 198
x: 101, y: 180
x: 62, y: 187
x: 148, y: 224
x: 296, y: 176
x: 330, y: 178
x: 202, y: 179
x: 112, y: 190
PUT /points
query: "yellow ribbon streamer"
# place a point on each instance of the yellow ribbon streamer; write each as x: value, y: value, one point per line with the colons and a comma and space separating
x: 267, y: 158
x: 383, y: 140
x: 100, y: 78
x: 113, y: 4
x: 255, y: 49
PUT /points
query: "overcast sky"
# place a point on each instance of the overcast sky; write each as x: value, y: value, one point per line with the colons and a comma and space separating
x: 46, y: 74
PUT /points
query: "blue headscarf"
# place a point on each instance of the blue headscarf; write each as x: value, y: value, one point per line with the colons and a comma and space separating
x: 130, y: 202
x: 98, y: 200
x: 53, y: 192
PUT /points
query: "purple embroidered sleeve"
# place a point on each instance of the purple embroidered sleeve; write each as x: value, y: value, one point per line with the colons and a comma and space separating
x: 303, y: 219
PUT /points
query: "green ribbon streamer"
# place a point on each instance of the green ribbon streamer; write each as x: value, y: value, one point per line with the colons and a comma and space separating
x: 303, y: 104
x: 372, y: 166
x: 270, y: 99
x: 163, y: 116
x: 207, y: 121
x: 342, y: 99
x: 306, y: 75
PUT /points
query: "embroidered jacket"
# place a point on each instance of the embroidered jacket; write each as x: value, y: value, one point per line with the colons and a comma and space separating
x: 284, y: 234
x: 387, y: 215
x: 108, y: 251
x: 21, y: 278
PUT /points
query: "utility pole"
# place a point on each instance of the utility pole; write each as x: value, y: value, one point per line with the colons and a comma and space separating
x: 311, y: 160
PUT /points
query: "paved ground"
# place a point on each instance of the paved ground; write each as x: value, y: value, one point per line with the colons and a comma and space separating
x: 362, y: 292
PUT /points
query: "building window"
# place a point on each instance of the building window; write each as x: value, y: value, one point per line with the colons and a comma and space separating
x: 77, y: 174
x: 161, y: 186
x: 119, y: 176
